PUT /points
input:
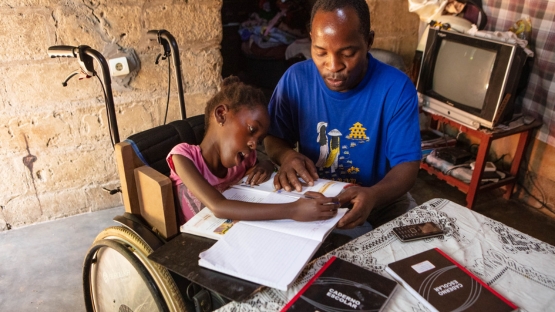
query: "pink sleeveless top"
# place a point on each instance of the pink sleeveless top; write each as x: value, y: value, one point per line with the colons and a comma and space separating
x: 188, y: 202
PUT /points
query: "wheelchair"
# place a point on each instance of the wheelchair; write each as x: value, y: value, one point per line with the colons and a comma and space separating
x: 117, y: 273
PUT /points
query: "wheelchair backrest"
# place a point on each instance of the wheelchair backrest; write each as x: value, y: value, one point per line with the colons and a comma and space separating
x: 153, y: 145
x: 145, y: 186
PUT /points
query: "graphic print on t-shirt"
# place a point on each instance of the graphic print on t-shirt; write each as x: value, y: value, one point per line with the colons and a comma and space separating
x: 338, y: 165
x: 331, y: 162
x: 323, y: 141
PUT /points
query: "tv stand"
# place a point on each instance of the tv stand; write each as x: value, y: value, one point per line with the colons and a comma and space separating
x: 486, y: 136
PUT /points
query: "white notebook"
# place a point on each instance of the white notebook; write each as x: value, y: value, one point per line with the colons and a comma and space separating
x: 270, y: 253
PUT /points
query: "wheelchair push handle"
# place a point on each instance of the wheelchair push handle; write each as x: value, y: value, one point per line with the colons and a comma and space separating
x: 164, y: 38
x: 152, y: 34
x: 62, y: 51
x: 85, y: 56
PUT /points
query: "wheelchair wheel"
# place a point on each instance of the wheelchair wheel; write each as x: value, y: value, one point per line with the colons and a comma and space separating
x: 118, y: 276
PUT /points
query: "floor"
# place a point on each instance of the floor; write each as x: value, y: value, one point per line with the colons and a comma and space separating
x: 41, y: 265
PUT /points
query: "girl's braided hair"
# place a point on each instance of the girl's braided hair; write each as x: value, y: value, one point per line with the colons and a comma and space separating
x: 236, y: 95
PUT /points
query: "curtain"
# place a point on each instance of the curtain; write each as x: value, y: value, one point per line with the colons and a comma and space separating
x: 539, y: 99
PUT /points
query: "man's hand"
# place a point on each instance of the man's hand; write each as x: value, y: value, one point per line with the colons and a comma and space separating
x: 396, y: 182
x: 293, y: 166
x: 362, y: 200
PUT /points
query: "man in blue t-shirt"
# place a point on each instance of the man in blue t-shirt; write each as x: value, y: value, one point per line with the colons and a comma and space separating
x: 354, y: 118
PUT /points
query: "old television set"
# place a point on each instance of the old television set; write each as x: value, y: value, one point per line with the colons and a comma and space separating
x: 471, y: 80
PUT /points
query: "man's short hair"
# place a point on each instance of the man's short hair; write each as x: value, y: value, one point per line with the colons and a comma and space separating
x: 360, y: 6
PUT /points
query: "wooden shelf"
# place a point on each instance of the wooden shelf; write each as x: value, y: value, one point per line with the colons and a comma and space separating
x: 485, y: 136
x: 462, y: 186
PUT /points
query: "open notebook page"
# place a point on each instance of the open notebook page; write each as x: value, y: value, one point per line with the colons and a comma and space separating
x: 258, y: 255
x: 314, y: 229
x: 327, y: 187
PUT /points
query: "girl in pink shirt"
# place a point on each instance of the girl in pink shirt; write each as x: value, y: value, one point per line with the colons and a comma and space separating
x: 236, y: 120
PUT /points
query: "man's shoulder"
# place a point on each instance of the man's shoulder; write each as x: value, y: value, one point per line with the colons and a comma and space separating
x: 294, y: 80
x: 384, y: 69
x: 391, y: 78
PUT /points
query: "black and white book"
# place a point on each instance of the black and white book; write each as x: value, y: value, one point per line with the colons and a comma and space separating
x: 343, y: 286
x: 442, y: 284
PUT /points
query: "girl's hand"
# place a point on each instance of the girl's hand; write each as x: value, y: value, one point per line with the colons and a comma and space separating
x: 261, y: 172
x: 315, y: 206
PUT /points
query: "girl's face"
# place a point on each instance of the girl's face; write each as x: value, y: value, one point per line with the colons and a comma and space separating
x: 242, y: 132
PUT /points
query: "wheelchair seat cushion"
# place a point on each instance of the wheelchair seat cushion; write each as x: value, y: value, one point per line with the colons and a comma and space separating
x: 153, y: 145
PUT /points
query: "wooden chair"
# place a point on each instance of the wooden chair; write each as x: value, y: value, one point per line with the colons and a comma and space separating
x: 144, y: 174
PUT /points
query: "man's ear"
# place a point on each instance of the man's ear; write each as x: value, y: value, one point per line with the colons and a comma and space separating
x: 370, y: 39
x: 220, y: 113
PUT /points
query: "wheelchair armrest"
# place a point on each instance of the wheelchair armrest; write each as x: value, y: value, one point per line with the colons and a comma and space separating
x: 155, y: 194
x: 127, y: 161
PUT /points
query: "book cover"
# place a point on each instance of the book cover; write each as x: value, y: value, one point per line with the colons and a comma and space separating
x: 342, y: 286
x: 206, y: 224
x: 442, y: 284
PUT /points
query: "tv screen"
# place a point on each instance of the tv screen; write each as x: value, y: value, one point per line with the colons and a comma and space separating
x: 472, y: 80
x: 462, y: 73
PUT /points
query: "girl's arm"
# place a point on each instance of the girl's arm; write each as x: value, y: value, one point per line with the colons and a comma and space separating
x: 304, y: 209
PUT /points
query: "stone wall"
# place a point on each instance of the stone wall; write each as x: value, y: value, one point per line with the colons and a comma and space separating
x: 54, y: 141
x: 395, y: 28
x: 537, y: 177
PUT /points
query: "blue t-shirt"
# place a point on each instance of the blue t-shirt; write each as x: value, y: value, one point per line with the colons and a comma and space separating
x: 355, y: 136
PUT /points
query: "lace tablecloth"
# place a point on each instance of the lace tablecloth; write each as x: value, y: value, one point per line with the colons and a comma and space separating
x: 519, y: 267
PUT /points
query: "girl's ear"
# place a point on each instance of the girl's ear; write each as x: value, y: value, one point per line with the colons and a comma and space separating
x: 220, y: 113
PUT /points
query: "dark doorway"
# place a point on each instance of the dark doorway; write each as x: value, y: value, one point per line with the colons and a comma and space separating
x: 258, y: 61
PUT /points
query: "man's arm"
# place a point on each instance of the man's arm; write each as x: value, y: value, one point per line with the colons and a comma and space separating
x: 292, y: 165
x: 399, y: 180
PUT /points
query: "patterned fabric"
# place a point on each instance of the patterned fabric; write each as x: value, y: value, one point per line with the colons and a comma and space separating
x: 514, y: 264
x: 539, y: 99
